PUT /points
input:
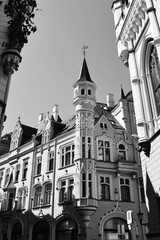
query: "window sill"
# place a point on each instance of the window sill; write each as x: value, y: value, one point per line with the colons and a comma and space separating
x: 24, y: 179
x: 51, y: 171
x: 39, y: 175
x: 41, y: 206
x: 67, y: 166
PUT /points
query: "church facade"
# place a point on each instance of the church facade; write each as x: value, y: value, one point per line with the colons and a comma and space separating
x: 74, y: 179
x: 137, y: 26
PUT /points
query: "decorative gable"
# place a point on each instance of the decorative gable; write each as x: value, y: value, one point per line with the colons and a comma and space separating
x: 16, y: 136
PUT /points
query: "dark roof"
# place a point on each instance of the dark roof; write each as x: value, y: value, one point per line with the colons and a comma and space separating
x: 84, y: 74
x: 102, y: 109
x: 27, y: 134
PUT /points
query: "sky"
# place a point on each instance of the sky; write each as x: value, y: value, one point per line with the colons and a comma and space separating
x: 52, y: 59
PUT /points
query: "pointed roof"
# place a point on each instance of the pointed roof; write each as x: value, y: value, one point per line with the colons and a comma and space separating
x: 84, y: 74
x: 122, y: 94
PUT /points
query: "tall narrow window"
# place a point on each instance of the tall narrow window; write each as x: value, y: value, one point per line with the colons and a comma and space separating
x: 83, y: 184
x: 25, y: 168
x: 125, y: 189
x: 89, y: 147
x: 70, y: 190
x: 105, y: 188
x: 121, y: 152
x: 50, y: 161
x: 103, y: 150
x: 1, y: 178
x: 37, y: 197
x: 17, y: 171
x: 83, y: 147
x: 62, y: 192
x: 154, y: 66
x: 11, y: 197
x: 7, y: 175
x: 38, y: 165
x: 90, y: 185
x: 21, y: 198
x: 47, y: 194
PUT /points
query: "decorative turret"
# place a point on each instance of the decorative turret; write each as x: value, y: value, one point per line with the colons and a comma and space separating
x: 84, y: 102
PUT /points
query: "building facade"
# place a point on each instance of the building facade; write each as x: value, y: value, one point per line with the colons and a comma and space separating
x: 74, y: 179
x: 137, y: 26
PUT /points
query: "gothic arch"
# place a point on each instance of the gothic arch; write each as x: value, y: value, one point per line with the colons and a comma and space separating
x: 12, y: 224
x: 116, y: 214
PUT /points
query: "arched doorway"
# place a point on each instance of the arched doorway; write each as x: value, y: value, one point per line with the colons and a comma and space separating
x: 16, y: 231
x: 116, y: 228
x: 41, y: 231
x: 67, y: 230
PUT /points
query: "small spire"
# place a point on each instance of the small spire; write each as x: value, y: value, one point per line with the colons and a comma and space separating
x: 122, y: 93
x: 84, y: 50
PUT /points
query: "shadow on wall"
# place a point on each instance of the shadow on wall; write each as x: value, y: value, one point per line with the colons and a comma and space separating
x: 154, y: 210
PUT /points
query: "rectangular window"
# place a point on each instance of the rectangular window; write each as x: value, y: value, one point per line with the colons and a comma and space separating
x: 7, y: 176
x: 1, y: 178
x: 90, y: 185
x: 38, y: 165
x: 103, y: 150
x: 17, y: 171
x: 83, y: 184
x: 105, y: 188
x: 47, y: 194
x: 83, y: 147
x: 66, y: 191
x: 62, y: 192
x: 67, y: 155
x: 21, y: 198
x: 37, y: 197
x: 25, y: 169
x: 50, y: 161
x: 125, y: 189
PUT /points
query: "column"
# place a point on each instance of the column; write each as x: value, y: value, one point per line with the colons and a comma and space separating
x: 137, y: 97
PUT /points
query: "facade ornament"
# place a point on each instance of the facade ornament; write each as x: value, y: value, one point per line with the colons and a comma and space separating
x: 10, y: 61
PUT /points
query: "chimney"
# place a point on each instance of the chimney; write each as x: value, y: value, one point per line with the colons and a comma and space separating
x: 55, y: 112
x: 110, y: 100
x: 40, y: 117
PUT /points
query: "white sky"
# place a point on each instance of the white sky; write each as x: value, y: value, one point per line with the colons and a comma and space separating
x: 52, y: 60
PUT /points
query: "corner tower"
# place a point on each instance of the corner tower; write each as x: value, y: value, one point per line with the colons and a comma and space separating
x: 84, y: 102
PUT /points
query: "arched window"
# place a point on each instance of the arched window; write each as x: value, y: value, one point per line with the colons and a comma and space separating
x: 121, y: 152
x: 16, y: 231
x: 154, y: 68
x: 67, y: 229
x: 116, y: 228
x: 41, y: 231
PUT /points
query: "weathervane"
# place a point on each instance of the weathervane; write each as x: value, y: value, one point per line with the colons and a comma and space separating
x: 84, y: 49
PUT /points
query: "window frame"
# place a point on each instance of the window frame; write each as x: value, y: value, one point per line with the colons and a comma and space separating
x: 105, y: 150
x: 66, y: 190
x: 38, y: 168
x: 25, y: 169
x: 125, y: 189
x: 50, y: 161
x: 105, y: 186
x: 67, y: 155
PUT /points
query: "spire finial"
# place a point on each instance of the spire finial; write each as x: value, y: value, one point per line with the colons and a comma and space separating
x: 84, y: 50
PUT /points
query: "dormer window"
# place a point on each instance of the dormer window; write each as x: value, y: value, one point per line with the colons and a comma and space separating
x: 82, y: 91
